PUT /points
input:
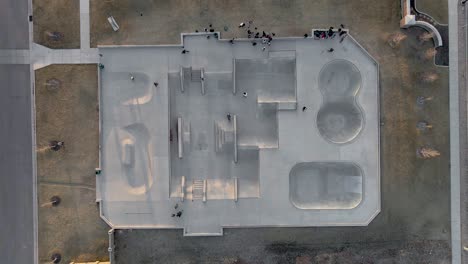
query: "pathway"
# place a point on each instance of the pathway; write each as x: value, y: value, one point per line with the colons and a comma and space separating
x: 457, y: 125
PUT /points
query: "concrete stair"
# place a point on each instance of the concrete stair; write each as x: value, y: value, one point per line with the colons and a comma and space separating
x: 199, y: 190
x: 223, y: 136
x: 196, y: 75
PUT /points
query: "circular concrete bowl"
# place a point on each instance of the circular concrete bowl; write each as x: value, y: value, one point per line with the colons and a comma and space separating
x: 339, y: 122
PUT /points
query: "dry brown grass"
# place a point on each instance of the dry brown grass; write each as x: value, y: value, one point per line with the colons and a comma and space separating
x: 57, y: 16
x: 69, y: 113
x: 437, y: 9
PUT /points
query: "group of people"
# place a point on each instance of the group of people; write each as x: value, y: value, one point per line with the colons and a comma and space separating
x: 330, y: 33
x: 178, y: 213
x: 266, y: 38
x: 263, y: 36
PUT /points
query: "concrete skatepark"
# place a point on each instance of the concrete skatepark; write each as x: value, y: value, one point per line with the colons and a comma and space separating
x: 223, y: 138
x: 410, y: 221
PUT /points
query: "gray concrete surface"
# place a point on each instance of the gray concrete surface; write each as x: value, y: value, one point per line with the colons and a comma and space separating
x: 16, y: 190
x: 14, y: 28
x: 136, y: 137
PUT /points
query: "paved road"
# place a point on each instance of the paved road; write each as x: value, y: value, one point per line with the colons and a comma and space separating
x: 16, y: 167
x: 14, y: 28
x: 16, y: 188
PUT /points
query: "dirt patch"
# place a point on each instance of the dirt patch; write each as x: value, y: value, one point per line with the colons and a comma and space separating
x: 255, y: 250
x: 161, y: 22
x: 57, y: 23
x: 68, y: 113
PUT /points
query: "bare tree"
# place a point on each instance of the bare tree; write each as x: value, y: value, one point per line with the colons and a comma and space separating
x: 429, y: 77
x: 53, y: 84
x: 56, y: 145
x: 54, y: 35
x: 427, y: 152
x: 423, y: 125
x: 395, y: 39
x: 426, y: 36
x: 54, y: 201
x: 421, y: 100
x: 429, y: 53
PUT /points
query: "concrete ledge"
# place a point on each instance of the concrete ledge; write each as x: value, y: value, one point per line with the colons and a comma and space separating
x: 437, y: 37
x: 410, y: 21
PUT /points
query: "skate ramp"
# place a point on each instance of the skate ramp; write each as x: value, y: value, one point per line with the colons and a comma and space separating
x: 136, y: 91
x: 135, y: 158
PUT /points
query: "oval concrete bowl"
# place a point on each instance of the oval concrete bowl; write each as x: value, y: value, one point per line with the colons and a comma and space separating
x: 325, y: 185
x: 339, y: 119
